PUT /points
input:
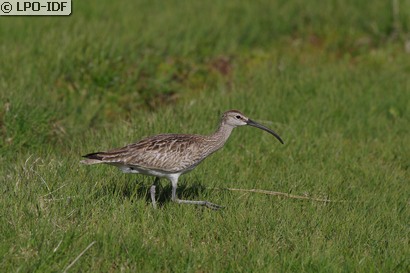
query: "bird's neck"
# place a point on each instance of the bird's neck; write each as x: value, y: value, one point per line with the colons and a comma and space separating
x: 220, y: 136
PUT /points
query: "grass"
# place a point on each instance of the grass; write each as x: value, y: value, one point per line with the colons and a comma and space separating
x: 332, y: 81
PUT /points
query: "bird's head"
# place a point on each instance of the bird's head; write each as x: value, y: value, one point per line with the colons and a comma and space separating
x: 235, y: 118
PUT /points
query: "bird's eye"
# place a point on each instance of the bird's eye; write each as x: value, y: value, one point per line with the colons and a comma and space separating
x: 238, y: 117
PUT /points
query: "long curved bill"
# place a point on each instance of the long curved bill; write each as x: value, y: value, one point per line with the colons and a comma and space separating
x: 257, y: 125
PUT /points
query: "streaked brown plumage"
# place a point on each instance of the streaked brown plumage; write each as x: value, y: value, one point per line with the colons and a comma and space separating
x: 171, y: 155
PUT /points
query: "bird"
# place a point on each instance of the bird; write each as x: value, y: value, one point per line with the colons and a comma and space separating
x: 172, y: 155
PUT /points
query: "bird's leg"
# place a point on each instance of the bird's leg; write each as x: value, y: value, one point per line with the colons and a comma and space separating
x: 192, y: 202
x: 152, y: 191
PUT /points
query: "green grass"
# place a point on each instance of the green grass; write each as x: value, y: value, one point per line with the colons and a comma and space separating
x: 331, y: 78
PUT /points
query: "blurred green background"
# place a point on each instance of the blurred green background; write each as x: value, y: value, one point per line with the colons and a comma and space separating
x: 331, y: 77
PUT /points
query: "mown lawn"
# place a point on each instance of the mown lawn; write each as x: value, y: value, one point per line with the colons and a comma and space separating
x: 332, y: 78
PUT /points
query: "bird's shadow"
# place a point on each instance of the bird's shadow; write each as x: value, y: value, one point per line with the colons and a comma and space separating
x: 141, y: 189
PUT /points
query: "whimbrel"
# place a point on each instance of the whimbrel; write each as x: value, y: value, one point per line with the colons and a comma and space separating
x: 171, y: 155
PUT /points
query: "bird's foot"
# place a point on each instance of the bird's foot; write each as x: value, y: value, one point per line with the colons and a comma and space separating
x: 200, y: 203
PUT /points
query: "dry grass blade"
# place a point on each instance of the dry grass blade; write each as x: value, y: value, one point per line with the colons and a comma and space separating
x: 287, y: 195
x: 79, y: 256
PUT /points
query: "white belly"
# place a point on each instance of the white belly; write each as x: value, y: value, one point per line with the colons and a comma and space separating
x: 133, y: 169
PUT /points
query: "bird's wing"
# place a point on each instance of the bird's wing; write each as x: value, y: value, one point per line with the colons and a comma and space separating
x: 168, y: 152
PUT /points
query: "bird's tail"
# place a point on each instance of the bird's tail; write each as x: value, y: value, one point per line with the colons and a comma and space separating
x: 94, y: 158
